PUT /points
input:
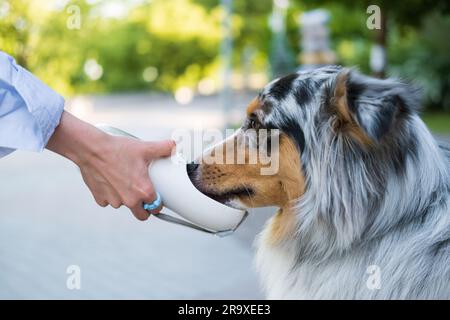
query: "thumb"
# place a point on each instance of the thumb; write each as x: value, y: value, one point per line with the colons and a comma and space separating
x: 159, y: 149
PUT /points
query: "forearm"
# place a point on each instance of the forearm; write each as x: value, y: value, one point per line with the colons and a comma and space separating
x: 77, y: 140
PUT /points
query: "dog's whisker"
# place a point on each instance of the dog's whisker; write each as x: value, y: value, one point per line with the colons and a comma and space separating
x: 248, y: 192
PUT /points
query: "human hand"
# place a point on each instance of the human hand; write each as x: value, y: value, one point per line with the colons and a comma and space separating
x: 119, y: 176
x: 115, y: 169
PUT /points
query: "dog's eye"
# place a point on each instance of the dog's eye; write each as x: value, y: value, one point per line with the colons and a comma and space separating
x: 252, y: 123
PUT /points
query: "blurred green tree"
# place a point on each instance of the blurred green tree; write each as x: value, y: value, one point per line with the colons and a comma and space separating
x: 423, y: 57
x: 16, y: 23
x: 392, y: 12
x: 132, y: 52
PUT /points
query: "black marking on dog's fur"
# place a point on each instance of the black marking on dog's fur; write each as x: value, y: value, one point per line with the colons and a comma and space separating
x: 303, y: 92
x: 354, y: 91
x: 406, y: 148
x: 293, y: 130
x: 441, y: 246
x: 267, y: 107
x: 283, y: 87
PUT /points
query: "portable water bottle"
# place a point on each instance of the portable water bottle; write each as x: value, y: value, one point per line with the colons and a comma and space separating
x: 170, y: 179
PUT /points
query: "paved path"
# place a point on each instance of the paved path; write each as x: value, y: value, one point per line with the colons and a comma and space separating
x: 48, y: 222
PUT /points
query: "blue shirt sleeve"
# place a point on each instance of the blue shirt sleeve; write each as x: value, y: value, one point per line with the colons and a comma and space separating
x: 29, y: 110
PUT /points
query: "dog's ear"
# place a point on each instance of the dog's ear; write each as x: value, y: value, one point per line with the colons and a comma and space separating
x: 367, y: 108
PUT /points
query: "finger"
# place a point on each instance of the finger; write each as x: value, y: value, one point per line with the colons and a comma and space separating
x: 113, y: 198
x: 101, y: 202
x: 150, y: 199
x: 150, y: 196
x: 99, y: 197
x: 115, y: 202
x: 102, y: 193
x: 140, y: 213
x: 157, y: 210
x: 159, y: 149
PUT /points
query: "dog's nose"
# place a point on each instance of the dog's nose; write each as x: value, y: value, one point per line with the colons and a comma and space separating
x: 191, y: 167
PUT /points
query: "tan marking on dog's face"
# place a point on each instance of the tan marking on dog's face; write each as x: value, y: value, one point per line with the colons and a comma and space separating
x: 278, y: 190
x: 283, y: 224
x: 254, y: 105
x: 266, y: 190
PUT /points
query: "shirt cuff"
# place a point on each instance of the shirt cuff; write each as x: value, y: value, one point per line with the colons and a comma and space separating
x: 45, y: 105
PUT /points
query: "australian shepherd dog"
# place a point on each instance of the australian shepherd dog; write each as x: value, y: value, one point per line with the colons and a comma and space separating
x: 362, y: 190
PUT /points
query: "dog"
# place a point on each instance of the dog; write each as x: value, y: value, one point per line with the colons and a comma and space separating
x: 362, y: 189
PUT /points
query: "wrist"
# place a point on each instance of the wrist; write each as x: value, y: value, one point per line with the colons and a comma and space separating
x: 78, y: 141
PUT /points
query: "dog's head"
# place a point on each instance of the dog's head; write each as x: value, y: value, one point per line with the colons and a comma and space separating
x: 313, y: 112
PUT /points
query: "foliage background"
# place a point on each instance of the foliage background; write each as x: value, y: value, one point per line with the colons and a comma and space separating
x: 163, y: 45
